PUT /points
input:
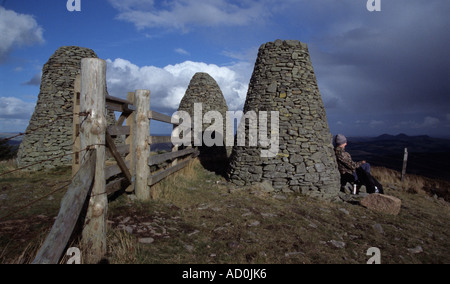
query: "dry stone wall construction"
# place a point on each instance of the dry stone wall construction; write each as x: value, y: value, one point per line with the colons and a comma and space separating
x: 52, y: 114
x: 205, y: 90
x: 283, y: 80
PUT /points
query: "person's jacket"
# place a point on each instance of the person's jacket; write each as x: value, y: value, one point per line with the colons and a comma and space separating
x: 345, y: 163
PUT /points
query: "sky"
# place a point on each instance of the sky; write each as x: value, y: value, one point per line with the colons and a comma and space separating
x: 378, y: 71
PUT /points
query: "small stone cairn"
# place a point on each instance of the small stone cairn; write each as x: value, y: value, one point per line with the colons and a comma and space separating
x: 205, y: 90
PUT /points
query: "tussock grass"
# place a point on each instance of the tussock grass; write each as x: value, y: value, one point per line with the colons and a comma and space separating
x: 167, y: 188
x: 210, y: 221
x: 122, y: 247
x: 197, y: 217
x: 28, y: 203
x: 8, y: 165
x: 413, y: 184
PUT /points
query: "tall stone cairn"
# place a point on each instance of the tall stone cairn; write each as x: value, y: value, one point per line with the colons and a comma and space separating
x: 52, y: 116
x: 205, y: 90
x: 283, y: 80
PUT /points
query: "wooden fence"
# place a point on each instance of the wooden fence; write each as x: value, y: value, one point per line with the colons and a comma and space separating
x: 102, y: 166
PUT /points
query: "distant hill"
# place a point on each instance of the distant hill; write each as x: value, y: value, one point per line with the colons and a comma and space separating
x: 15, y: 141
x: 428, y: 156
x: 9, y: 152
x: 167, y: 147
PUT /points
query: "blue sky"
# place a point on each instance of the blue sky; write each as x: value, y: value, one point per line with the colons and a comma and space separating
x: 378, y: 72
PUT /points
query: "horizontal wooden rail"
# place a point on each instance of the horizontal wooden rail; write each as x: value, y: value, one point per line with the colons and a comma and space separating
x: 152, y: 180
x: 123, y: 151
x: 120, y: 105
x: 111, y: 99
x: 158, y: 159
x: 161, y: 117
x: 119, y: 130
x: 116, y: 185
x: 159, y: 139
x: 114, y: 170
x: 71, y: 206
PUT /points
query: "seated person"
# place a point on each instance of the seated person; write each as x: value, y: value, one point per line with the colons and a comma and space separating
x: 353, y: 172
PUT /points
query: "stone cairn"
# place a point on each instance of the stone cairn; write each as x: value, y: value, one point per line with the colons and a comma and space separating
x: 205, y: 90
x: 52, y: 116
x: 283, y: 80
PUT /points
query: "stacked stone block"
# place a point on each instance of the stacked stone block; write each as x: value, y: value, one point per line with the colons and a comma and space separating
x: 283, y: 80
x: 205, y: 90
x: 53, y: 112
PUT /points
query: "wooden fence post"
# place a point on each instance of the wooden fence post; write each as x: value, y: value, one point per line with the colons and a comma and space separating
x: 92, y: 134
x: 131, y: 157
x: 140, y: 140
x: 71, y: 206
x: 405, y: 162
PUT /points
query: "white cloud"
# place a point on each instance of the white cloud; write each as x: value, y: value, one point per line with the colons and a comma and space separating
x: 13, y: 108
x: 185, y: 14
x: 17, y: 30
x: 169, y: 84
x: 376, y: 123
x: 182, y: 51
x: 13, y: 125
x: 429, y: 122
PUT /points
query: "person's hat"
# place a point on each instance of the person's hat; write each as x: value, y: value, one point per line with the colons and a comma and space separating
x: 340, y: 140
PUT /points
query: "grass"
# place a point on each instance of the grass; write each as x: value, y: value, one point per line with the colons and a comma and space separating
x: 210, y: 221
x: 197, y: 217
x: 29, y: 201
x: 414, y: 184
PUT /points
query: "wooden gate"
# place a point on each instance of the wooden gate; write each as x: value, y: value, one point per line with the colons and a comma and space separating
x: 97, y: 172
